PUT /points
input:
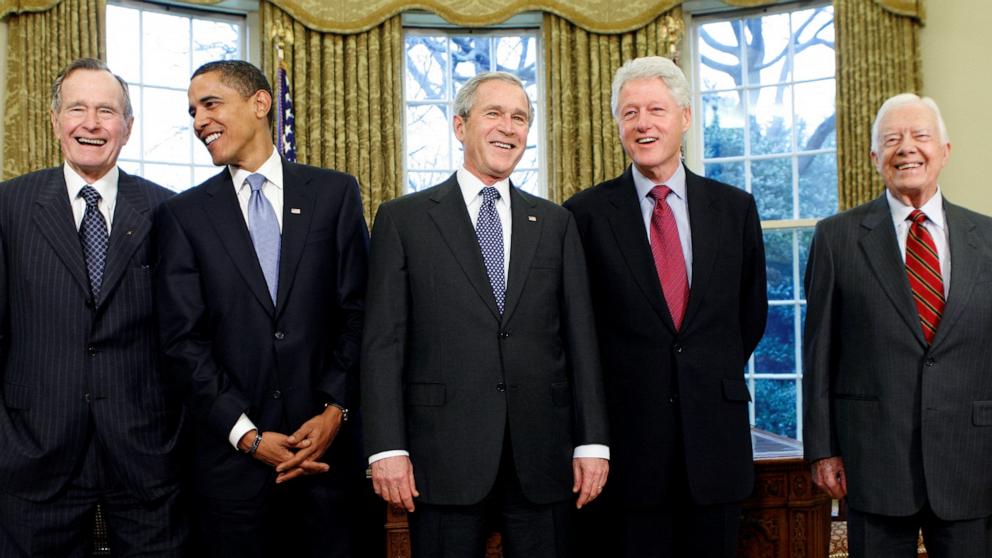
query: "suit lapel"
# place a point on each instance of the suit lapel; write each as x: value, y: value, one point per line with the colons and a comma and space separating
x: 881, y: 249
x: 53, y: 216
x: 130, y: 227
x: 297, y: 194
x: 965, y: 267
x: 526, y: 224
x: 451, y: 218
x: 632, y: 241
x: 224, y: 214
x: 705, y: 224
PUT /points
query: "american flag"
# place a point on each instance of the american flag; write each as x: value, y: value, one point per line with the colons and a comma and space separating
x: 285, y: 120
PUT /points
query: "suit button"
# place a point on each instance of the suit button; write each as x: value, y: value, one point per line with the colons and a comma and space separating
x: 86, y: 397
x: 504, y: 334
x: 677, y: 347
x: 276, y: 394
x: 91, y: 350
x: 89, y: 302
x: 501, y: 387
x: 279, y: 335
x: 673, y: 399
x: 931, y: 362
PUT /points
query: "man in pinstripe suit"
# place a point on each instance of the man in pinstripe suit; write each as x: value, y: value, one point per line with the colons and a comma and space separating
x: 85, y: 417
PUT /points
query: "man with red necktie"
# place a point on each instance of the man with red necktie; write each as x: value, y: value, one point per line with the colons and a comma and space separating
x: 897, y: 390
x: 677, y: 271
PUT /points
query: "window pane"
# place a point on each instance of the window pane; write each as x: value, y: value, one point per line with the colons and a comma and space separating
x: 417, y: 180
x: 728, y: 173
x: 130, y: 167
x: 175, y: 177
x: 776, y: 354
x: 778, y: 264
x: 526, y: 180
x: 815, y: 115
x: 814, y: 50
x: 775, y: 406
x: 471, y: 55
x: 518, y: 55
x: 426, y: 67
x: 805, y: 238
x: 817, y: 186
x: 719, y: 55
x: 771, y: 183
x: 167, y: 129
x: 723, y: 118
x: 166, y: 49
x: 768, y: 43
x: 123, y: 52
x: 771, y: 119
x: 201, y: 174
x: 215, y: 40
x: 427, y: 136
x: 132, y: 150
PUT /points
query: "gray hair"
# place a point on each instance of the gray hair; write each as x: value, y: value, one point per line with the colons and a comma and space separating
x: 651, y: 67
x: 466, y: 95
x: 96, y: 66
x: 902, y: 100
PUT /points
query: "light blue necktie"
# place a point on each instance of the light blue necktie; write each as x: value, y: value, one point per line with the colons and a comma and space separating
x: 94, y: 238
x: 264, y: 230
x: 490, y: 233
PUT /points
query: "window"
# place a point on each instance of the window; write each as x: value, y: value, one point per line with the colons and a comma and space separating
x: 764, y: 105
x: 155, y: 49
x: 438, y: 63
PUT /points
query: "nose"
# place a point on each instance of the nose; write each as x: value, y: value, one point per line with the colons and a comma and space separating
x: 91, y: 120
x: 907, y: 144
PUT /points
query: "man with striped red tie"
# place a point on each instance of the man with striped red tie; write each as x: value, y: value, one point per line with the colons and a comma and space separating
x: 897, y: 389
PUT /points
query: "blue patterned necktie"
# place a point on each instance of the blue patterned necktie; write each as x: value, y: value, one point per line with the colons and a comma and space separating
x: 94, y: 238
x: 265, y: 234
x: 490, y: 233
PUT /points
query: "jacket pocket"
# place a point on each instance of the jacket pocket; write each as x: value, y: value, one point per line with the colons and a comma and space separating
x: 981, y: 413
x: 17, y: 396
x: 735, y: 390
x: 426, y: 395
x: 561, y: 394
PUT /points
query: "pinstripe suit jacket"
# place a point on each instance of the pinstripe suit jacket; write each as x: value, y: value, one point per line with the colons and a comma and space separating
x: 912, y: 423
x: 72, y: 367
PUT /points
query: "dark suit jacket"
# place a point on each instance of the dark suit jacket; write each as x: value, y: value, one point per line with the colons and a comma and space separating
x: 72, y: 367
x: 676, y: 395
x: 444, y: 375
x: 912, y: 423
x: 230, y: 348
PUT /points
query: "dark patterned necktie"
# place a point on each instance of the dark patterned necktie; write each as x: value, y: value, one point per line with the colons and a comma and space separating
x: 265, y: 235
x: 94, y: 238
x: 666, y: 248
x: 490, y: 233
x: 923, y: 270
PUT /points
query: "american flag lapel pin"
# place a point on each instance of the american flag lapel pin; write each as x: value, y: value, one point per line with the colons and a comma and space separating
x: 532, y: 218
x: 295, y: 210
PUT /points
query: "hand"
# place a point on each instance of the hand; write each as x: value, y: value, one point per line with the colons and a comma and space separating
x: 590, y: 477
x: 310, y: 442
x: 829, y: 475
x: 392, y: 478
x: 273, y: 450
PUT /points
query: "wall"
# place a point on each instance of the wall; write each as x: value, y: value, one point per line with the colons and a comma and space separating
x: 955, y: 45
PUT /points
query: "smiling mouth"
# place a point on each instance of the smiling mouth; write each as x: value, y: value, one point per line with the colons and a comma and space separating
x: 907, y: 166
x: 501, y: 145
x: 644, y: 141
x: 211, y: 138
x: 92, y: 141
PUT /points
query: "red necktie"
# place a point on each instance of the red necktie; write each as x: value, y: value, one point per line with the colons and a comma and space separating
x: 923, y: 270
x: 668, y: 258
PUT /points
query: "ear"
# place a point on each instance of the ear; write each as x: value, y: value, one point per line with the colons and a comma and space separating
x: 263, y: 104
x: 459, y: 124
x: 128, y: 126
x: 55, y: 124
x: 686, y: 118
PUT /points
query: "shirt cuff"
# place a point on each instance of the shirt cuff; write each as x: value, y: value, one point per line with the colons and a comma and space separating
x: 384, y: 454
x: 592, y: 450
x: 242, y: 427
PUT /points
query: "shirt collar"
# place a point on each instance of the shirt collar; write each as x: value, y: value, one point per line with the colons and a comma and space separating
x: 644, y: 185
x: 471, y: 186
x: 933, y: 209
x: 271, y: 169
x: 106, y: 185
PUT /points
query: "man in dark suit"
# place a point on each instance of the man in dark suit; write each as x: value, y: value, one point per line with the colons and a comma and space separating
x: 897, y: 387
x: 677, y: 270
x: 480, y: 375
x: 86, y: 416
x: 261, y: 289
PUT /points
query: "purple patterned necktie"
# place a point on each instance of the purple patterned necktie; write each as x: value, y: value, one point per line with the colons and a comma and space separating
x: 94, y: 238
x: 490, y: 233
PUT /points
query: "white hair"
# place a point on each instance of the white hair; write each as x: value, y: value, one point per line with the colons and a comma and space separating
x: 651, y: 67
x: 465, y: 99
x: 902, y: 100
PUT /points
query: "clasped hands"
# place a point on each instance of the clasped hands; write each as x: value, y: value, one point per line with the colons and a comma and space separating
x: 297, y: 454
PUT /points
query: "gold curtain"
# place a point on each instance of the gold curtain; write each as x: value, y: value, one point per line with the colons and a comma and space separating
x: 347, y: 94
x: 583, y: 143
x: 39, y: 45
x: 877, y: 57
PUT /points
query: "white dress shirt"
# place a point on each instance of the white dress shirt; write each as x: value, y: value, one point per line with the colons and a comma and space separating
x: 106, y: 186
x: 471, y: 188
x: 271, y: 169
x: 936, y: 225
x: 677, y: 201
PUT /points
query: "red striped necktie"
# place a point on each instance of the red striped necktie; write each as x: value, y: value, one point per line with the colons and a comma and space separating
x: 923, y: 270
x: 666, y: 248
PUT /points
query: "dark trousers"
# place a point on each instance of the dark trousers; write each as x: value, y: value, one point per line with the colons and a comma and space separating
x: 308, y: 516
x: 63, y: 527
x: 881, y: 536
x: 528, y: 530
